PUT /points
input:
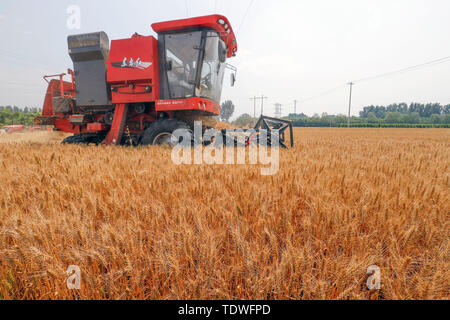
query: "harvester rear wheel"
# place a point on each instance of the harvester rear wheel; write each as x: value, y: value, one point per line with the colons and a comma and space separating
x: 160, y: 132
x: 75, y: 139
x: 84, y: 139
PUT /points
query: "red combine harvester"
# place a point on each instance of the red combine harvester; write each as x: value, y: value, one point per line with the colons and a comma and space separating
x: 21, y: 128
x: 14, y: 128
x: 141, y: 89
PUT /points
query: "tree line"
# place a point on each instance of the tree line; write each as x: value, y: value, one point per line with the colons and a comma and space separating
x: 401, y: 115
x: 392, y: 120
x: 15, y: 115
x: 18, y: 109
x: 395, y: 115
x: 423, y: 110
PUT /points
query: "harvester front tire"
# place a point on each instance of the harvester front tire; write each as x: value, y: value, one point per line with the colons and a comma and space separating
x: 162, y: 128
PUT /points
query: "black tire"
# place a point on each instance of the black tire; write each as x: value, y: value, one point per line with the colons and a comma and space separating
x: 84, y: 139
x: 94, y: 139
x: 157, y: 129
x: 75, y: 139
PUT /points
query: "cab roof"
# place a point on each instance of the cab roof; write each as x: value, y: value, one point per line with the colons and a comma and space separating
x: 216, y: 22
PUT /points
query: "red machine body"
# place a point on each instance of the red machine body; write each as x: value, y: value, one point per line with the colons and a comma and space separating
x: 133, y: 83
x: 13, y: 128
x: 133, y: 62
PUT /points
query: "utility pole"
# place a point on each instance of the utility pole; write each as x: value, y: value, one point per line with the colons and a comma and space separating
x: 254, y: 106
x: 349, y: 104
x: 278, y: 110
x: 262, y: 103
x: 295, y: 106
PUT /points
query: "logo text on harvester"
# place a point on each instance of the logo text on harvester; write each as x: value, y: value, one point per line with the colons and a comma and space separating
x: 249, y: 309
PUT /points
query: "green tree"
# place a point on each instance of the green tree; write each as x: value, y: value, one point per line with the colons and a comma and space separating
x: 435, y: 119
x: 446, y: 109
x: 243, y: 120
x: 393, y: 117
x: 227, y: 110
x: 372, y: 118
x: 8, y: 117
x: 446, y: 119
x: 411, y: 118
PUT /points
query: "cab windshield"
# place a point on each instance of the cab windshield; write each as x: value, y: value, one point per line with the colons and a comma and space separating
x: 192, y: 66
x: 212, y: 70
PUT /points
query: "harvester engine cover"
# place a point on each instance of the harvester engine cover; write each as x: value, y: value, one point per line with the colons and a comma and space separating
x: 133, y: 70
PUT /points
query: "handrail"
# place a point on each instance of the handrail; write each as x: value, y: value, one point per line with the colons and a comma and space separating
x: 61, y: 82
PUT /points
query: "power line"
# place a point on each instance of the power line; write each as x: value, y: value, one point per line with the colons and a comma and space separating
x: 387, y: 74
x: 408, y: 69
x: 322, y: 94
x: 245, y: 15
x: 25, y: 60
x: 404, y: 70
x: 21, y: 84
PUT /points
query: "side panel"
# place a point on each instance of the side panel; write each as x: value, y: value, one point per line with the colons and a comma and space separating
x: 133, y: 70
x: 195, y: 104
x: 91, y: 87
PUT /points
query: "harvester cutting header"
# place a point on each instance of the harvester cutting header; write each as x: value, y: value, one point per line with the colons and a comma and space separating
x: 141, y: 89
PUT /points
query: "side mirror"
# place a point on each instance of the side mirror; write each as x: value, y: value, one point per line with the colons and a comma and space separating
x: 169, y: 65
x: 222, y: 51
x: 232, y: 79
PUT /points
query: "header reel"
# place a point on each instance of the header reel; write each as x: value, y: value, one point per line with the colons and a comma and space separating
x: 265, y: 130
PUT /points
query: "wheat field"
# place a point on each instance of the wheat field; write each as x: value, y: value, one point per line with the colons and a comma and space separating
x: 140, y: 227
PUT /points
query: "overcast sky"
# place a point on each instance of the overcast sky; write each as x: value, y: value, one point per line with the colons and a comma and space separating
x: 287, y: 49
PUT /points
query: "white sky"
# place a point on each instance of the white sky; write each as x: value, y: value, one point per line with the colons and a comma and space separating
x: 287, y: 49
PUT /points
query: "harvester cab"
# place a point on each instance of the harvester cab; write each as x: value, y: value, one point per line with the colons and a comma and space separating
x: 141, y: 89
